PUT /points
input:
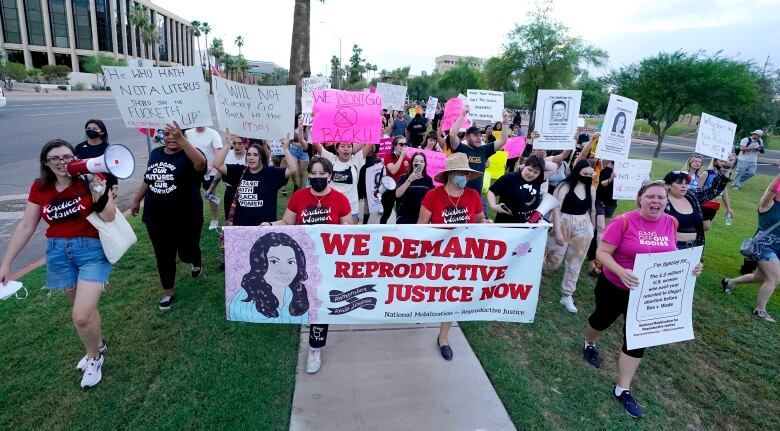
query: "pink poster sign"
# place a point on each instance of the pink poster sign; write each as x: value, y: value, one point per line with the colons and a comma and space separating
x: 452, y: 110
x: 435, y: 161
x: 385, y: 145
x: 515, y: 146
x: 346, y: 116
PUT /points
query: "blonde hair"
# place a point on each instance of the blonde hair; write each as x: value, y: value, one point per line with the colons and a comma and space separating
x: 646, y: 185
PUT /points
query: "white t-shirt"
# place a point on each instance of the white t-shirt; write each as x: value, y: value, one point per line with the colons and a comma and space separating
x: 751, y: 156
x: 208, y: 142
x: 345, y: 176
x: 231, y: 158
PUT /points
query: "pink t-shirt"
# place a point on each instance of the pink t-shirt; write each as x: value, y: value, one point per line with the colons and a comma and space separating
x: 640, y: 236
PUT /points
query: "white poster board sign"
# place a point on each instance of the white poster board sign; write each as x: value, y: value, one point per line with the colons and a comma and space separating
x: 629, y: 176
x: 276, y: 147
x: 486, y: 105
x: 715, y: 137
x: 252, y: 111
x: 393, y: 96
x: 660, y: 308
x: 615, y: 140
x: 374, y: 175
x: 307, y: 98
x: 151, y: 97
x: 557, y: 113
x: 430, y: 108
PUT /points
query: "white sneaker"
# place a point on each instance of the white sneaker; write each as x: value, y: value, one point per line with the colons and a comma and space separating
x: 314, y: 362
x: 92, y: 372
x: 213, y: 225
x: 568, y: 302
x: 83, y: 362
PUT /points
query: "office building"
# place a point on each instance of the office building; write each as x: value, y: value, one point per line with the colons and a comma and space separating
x: 445, y: 62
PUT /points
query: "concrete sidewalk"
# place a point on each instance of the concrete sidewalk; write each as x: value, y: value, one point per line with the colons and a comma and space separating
x: 392, y: 377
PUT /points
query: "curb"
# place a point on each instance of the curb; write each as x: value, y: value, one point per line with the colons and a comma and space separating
x: 768, y: 160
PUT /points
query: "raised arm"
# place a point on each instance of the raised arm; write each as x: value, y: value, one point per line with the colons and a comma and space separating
x: 197, y: 158
x: 767, y: 199
x: 505, y: 130
x: 454, y: 139
x: 219, y: 158
x: 292, y: 164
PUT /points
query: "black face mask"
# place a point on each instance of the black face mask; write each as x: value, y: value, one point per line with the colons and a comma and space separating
x: 92, y: 134
x: 585, y: 180
x: 318, y: 184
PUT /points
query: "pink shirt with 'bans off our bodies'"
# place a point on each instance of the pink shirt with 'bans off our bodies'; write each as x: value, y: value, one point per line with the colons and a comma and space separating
x: 632, y: 234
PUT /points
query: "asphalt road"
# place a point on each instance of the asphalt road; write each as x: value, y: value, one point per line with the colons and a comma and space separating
x: 30, y: 120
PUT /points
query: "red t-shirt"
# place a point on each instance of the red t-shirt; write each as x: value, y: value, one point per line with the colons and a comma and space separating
x: 66, y: 211
x: 451, y: 210
x: 390, y: 159
x: 310, y: 209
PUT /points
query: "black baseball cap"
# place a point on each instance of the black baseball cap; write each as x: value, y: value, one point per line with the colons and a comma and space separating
x: 473, y: 129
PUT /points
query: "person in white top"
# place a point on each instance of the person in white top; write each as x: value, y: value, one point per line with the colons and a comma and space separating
x: 208, y: 141
x: 747, y: 161
x: 237, y: 156
x: 346, y: 167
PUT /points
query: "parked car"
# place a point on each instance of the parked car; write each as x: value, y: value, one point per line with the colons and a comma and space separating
x: 2, y: 98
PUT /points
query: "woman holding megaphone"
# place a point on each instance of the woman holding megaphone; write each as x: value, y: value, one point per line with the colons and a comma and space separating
x: 75, y: 261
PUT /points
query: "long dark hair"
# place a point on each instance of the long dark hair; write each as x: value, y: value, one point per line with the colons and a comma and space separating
x: 47, y: 175
x: 261, y: 152
x: 574, y: 178
x: 259, y: 291
x: 425, y: 159
x: 103, y: 130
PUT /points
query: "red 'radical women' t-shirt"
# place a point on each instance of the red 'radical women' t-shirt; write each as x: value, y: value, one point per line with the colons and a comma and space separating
x: 451, y: 210
x: 66, y: 211
x: 310, y: 209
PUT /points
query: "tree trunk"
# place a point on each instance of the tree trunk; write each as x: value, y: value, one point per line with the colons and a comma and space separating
x: 532, y: 114
x: 299, y: 49
x: 659, y: 135
x: 208, y: 61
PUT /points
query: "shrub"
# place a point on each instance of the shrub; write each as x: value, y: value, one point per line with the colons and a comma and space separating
x: 79, y: 87
x: 37, y: 88
x: 10, y: 72
x: 55, y: 73
x: 62, y: 87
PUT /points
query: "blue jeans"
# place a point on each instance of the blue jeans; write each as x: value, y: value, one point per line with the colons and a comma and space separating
x: 745, y: 171
x: 298, y: 153
x: 71, y: 259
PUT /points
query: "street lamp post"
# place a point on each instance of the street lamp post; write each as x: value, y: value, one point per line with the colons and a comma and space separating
x: 341, y: 65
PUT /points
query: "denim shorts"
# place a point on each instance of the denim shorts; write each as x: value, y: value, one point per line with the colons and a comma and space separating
x: 71, y: 259
x: 768, y: 254
x: 298, y: 153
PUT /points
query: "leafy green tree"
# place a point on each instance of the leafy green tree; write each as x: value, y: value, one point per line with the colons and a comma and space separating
x: 10, y: 72
x: 55, y: 73
x: 497, y: 74
x: 356, y: 67
x: 765, y: 113
x: 336, y: 72
x: 196, y: 33
x: 217, y: 50
x: 459, y: 78
x: 595, y: 96
x: 278, y: 76
x: 95, y: 63
x: 239, y: 43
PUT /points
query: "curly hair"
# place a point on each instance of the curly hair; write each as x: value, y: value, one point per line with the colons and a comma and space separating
x: 259, y: 291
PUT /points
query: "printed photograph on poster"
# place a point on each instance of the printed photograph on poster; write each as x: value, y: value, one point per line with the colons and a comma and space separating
x: 715, y: 137
x: 374, y: 175
x: 485, y: 105
x: 430, y: 108
x: 557, y: 114
x: 629, y: 176
x: 253, y: 111
x: 660, y: 309
x: 617, y: 128
x: 393, y: 96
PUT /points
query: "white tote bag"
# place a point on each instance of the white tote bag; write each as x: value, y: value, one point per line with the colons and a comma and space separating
x: 116, y: 236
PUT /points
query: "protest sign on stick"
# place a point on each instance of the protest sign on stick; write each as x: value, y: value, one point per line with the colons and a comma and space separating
x: 615, y: 140
x: 374, y: 175
x: 347, y: 116
x: 308, y: 85
x: 557, y: 112
x: 629, y: 176
x: 452, y: 110
x: 486, y: 105
x: 715, y: 137
x: 515, y: 146
x: 435, y: 161
x: 151, y: 97
x: 660, y: 309
x: 253, y: 111
x: 430, y: 108
x: 393, y: 96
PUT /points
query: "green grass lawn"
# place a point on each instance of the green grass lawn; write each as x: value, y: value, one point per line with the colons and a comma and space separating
x: 189, y: 368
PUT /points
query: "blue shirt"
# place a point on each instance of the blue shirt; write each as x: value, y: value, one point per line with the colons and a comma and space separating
x: 246, y: 311
x: 399, y: 128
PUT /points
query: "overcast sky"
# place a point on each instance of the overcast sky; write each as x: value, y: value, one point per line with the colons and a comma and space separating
x: 414, y: 33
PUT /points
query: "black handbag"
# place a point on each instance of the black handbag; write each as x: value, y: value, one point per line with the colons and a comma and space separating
x: 751, y: 247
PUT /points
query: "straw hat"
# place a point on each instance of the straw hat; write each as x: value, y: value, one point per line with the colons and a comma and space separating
x: 456, y: 162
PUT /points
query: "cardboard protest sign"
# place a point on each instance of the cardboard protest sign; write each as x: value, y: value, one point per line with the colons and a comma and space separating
x: 497, y: 164
x: 452, y: 110
x: 374, y: 175
x: 434, y: 161
x: 660, y: 309
x: 486, y: 105
x: 385, y: 145
x: 308, y: 85
x: 430, y: 108
x: 276, y: 147
x: 252, y: 111
x: 615, y: 140
x: 629, y: 176
x: 393, y: 96
x: 557, y: 112
x: 347, y: 116
x: 151, y: 97
x: 385, y: 273
x: 715, y: 137
x: 515, y: 146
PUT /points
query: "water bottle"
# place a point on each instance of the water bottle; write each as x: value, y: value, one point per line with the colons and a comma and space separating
x: 213, y: 198
x: 728, y: 219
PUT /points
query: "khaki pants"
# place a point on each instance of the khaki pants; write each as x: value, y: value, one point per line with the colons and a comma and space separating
x: 577, y: 233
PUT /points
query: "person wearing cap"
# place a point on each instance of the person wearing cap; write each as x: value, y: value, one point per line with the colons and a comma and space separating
x: 452, y: 203
x: 748, y: 157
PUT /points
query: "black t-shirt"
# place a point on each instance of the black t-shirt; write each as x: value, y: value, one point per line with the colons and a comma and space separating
x: 477, y: 160
x: 174, y: 189
x: 409, y: 204
x: 255, y: 195
x: 417, y: 131
x: 371, y: 160
x: 604, y: 193
x: 86, y: 151
x: 520, y: 196
x: 437, y: 120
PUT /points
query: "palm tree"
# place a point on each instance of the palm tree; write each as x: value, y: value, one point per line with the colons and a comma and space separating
x: 139, y: 18
x: 242, y: 66
x: 229, y: 66
x: 151, y: 37
x: 206, y: 29
x: 196, y: 32
x: 239, y: 43
x: 217, y: 50
x: 300, y: 66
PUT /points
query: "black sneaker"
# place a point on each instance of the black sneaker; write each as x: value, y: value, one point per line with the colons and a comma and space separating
x: 726, y: 288
x: 591, y: 356
x: 195, y: 271
x: 633, y: 408
x: 222, y: 266
x: 165, y: 302
x: 446, y: 350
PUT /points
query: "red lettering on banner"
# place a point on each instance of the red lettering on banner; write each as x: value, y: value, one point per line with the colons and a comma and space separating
x: 506, y: 289
x: 455, y: 247
x: 342, y: 270
x: 341, y: 243
x: 419, y: 293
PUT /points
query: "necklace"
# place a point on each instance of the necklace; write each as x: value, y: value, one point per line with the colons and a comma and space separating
x: 455, y: 202
x: 319, y: 200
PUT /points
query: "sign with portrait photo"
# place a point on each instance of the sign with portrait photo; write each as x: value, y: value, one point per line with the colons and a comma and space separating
x: 557, y: 113
x: 616, y: 131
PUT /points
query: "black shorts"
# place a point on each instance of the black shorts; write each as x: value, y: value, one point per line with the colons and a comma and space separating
x: 707, y: 213
x: 607, y: 210
x: 611, y: 302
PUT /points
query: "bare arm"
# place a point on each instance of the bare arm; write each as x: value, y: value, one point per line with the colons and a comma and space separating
x: 505, y: 128
x: 767, y: 200
x: 196, y: 157
x: 22, y: 234
x: 219, y: 159
x: 549, y: 169
x: 561, y: 157
x: 135, y: 208
x: 424, y: 217
x: 454, y: 139
x: 347, y: 219
x: 287, y: 219
x: 292, y: 164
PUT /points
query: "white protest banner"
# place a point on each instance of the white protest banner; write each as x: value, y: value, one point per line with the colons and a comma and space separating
x: 369, y: 274
x: 629, y: 176
x: 486, y: 105
x: 557, y: 113
x: 276, y: 147
x: 430, y: 108
x: 660, y: 308
x: 373, y: 178
x: 308, y: 85
x: 151, y: 97
x: 393, y: 96
x: 615, y: 140
x: 715, y: 137
x: 252, y: 111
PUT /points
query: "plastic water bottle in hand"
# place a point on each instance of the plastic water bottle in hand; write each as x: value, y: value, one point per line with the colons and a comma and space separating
x: 213, y: 198
x: 729, y: 217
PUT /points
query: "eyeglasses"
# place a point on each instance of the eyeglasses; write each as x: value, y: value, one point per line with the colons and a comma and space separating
x: 66, y: 159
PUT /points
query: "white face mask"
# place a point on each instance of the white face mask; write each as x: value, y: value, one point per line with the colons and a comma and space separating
x: 10, y: 289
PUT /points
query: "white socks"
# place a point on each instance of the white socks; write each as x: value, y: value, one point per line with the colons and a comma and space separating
x: 619, y: 390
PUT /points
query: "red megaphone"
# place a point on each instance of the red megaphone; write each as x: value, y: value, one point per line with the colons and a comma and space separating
x: 117, y: 161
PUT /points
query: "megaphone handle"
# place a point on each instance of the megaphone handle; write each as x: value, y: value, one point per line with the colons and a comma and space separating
x: 98, y: 189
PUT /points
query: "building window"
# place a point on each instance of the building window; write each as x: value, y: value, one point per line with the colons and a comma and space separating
x: 10, y: 16
x: 103, y: 20
x: 59, y: 24
x: 62, y: 59
x: 15, y: 56
x: 35, y: 34
x: 119, y: 32
x: 128, y: 32
x: 162, y: 31
x: 39, y: 59
x: 82, y: 23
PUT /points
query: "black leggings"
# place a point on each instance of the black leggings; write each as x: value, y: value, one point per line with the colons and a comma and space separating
x: 183, y: 238
x: 611, y: 302
x: 318, y: 336
x: 388, y: 202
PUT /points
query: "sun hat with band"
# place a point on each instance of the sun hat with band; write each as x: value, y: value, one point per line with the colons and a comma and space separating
x: 456, y: 162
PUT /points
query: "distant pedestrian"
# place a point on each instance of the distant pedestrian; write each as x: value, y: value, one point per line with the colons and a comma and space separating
x: 208, y: 141
x: 747, y: 161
